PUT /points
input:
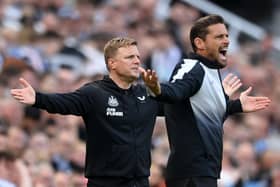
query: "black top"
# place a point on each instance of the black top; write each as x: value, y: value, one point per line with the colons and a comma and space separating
x: 119, y: 126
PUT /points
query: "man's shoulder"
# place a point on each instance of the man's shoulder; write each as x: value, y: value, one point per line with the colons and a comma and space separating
x: 187, y: 65
x: 90, y: 87
x: 188, y: 69
x: 189, y: 61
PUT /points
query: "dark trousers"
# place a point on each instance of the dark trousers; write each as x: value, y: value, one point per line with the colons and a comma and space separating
x: 118, y: 182
x: 192, y: 182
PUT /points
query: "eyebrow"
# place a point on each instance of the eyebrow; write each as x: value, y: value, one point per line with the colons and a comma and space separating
x: 130, y: 56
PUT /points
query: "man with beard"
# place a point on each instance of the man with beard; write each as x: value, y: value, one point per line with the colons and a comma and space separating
x: 198, y: 106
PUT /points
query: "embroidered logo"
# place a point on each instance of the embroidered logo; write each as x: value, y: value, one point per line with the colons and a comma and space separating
x: 141, y: 98
x: 113, y: 102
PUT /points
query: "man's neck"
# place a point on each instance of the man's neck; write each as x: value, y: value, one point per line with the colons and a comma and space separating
x: 120, y: 81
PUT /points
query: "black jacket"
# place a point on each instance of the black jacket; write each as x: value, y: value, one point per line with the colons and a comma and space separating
x: 119, y: 126
x: 198, y: 107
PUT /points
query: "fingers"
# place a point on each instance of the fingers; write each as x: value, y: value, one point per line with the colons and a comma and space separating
x: 142, y: 71
x: 231, y: 80
x: 261, y: 102
x: 153, y: 76
x: 231, y: 84
x: 19, y: 91
x: 261, y: 106
x: 237, y: 84
x: 248, y: 91
x: 227, y: 78
x: 17, y: 95
x: 144, y: 74
x: 149, y: 75
x: 16, y: 91
x: 261, y: 99
x: 24, y: 83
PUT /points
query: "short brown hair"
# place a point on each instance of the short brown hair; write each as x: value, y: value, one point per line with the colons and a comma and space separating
x: 114, y: 44
x: 200, y: 27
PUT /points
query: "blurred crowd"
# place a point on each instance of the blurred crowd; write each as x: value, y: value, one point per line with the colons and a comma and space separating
x: 57, y: 45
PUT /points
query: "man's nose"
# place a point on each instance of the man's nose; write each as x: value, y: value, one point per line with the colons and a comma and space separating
x: 137, y: 60
x: 226, y: 40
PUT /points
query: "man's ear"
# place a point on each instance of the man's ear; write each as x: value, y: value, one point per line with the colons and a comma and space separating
x: 111, y: 63
x: 199, y: 43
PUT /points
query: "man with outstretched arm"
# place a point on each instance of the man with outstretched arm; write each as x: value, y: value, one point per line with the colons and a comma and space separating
x: 118, y: 115
x: 198, y: 106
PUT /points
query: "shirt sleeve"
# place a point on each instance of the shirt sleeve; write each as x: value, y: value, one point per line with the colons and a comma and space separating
x: 185, y: 81
x: 233, y: 106
x: 76, y: 103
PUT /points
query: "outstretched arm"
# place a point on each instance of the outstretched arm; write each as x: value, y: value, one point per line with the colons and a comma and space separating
x: 252, y: 103
x: 231, y: 84
x: 26, y: 94
x: 77, y: 102
x: 185, y: 81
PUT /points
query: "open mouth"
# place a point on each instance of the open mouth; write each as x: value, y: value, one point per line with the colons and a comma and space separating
x: 223, y: 52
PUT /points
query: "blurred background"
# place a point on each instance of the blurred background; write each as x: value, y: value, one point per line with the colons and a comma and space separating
x: 57, y: 45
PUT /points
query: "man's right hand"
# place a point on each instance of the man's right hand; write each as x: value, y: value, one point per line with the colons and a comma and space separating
x: 151, y: 80
x: 231, y: 84
x: 26, y: 94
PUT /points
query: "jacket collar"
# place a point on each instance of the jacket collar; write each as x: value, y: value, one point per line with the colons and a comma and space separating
x: 113, y: 85
x: 205, y: 61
